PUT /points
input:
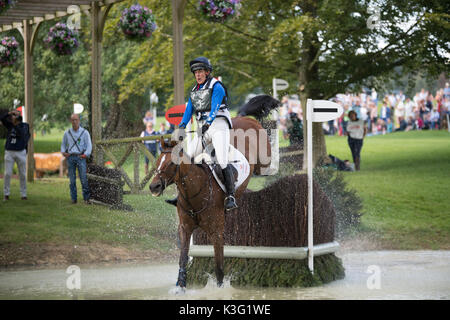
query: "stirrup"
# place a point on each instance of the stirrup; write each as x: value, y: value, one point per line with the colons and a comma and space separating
x: 230, y: 203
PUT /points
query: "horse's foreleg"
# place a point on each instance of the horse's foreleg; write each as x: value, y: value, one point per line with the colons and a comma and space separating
x: 185, y: 232
x: 218, y: 258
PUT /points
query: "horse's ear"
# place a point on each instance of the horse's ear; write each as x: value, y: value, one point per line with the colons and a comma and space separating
x: 163, y: 143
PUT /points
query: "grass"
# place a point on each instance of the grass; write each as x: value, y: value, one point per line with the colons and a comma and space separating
x: 404, y: 184
x: 49, y: 217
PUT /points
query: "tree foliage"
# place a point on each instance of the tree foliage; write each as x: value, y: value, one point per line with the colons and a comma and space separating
x: 320, y: 47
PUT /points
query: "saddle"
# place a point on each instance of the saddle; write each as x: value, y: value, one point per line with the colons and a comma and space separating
x: 240, y: 165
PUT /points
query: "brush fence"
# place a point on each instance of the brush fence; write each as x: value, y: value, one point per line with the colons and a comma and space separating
x: 273, y: 223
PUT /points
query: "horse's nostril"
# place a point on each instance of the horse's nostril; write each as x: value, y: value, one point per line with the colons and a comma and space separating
x: 155, y: 187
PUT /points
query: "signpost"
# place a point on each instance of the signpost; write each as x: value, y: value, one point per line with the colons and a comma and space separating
x: 316, y: 111
x: 278, y: 84
x: 175, y: 114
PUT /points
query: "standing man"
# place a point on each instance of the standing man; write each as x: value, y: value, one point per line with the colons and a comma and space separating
x: 76, y: 147
x: 208, y: 102
x: 16, y: 147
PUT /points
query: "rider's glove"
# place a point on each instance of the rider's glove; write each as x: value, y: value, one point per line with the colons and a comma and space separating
x: 182, y: 126
x: 205, y: 128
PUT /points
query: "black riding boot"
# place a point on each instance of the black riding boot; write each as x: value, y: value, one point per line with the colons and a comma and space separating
x: 172, y: 201
x: 230, y: 201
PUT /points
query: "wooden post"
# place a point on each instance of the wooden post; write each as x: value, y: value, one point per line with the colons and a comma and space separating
x: 28, y: 56
x: 96, y: 73
x: 136, y: 167
x: 178, y: 52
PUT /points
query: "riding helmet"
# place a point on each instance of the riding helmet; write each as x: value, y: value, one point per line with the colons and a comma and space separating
x: 200, y: 63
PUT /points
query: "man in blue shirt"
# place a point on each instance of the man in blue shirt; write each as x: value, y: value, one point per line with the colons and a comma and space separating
x: 208, y: 102
x: 76, y: 148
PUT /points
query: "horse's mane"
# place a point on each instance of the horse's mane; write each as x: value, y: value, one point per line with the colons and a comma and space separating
x: 259, y: 106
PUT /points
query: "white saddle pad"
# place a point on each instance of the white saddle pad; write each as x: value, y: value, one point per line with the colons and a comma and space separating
x: 235, y: 158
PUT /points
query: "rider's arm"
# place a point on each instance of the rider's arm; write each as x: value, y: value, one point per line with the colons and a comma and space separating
x: 187, y: 115
x: 217, y: 97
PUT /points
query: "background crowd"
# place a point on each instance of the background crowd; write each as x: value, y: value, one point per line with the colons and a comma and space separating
x: 393, y: 112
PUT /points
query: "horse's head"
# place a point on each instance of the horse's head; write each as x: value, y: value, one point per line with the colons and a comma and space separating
x: 166, y: 169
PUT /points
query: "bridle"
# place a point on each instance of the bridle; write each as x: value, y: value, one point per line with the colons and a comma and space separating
x: 177, y: 177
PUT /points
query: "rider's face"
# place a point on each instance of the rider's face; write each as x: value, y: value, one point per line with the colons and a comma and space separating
x: 200, y: 75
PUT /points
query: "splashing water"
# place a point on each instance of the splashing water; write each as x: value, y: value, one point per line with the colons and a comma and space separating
x: 369, y: 275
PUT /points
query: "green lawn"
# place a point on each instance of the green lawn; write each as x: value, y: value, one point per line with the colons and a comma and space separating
x: 49, y: 217
x: 405, y: 184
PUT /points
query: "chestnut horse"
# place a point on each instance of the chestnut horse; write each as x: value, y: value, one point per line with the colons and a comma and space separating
x: 200, y: 198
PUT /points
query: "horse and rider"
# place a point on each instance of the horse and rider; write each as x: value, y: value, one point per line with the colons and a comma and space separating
x: 208, y: 101
x: 201, y: 201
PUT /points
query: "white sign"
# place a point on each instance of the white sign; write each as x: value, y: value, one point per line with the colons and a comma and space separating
x: 316, y: 111
x: 77, y: 108
x: 324, y: 110
x: 280, y: 84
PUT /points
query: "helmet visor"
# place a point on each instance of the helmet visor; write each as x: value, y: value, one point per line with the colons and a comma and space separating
x: 199, y: 66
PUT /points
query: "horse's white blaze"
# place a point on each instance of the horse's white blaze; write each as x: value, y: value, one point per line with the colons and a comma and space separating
x: 162, y: 161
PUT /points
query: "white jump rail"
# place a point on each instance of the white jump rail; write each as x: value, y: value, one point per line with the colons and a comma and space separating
x: 296, y: 253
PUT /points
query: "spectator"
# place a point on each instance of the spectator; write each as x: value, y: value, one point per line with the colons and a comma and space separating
x: 434, y: 119
x: 402, y: 124
x: 357, y: 107
x: 76, y: 147
x: 374, y: 96
x: 447, y: 91
x: 385, y: 111
x: 148, y: 117
x: 16, y: 147
x: 409, y: 107
x: 399, y: 112
x: 151, y: 145
x: 389, y: 126
x: 356, y: 131
x: 295, y: 129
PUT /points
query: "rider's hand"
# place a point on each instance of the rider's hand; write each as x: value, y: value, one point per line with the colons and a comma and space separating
x: 205, y: 128
x: 182, y: 126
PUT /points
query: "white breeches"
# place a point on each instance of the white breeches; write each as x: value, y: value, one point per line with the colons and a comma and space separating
x: 219, y: 134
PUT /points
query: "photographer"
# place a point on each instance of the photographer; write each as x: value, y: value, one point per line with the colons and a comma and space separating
x: 15, y: 151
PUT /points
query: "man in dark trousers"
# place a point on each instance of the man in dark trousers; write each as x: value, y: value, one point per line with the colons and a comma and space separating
x: 16, y: 147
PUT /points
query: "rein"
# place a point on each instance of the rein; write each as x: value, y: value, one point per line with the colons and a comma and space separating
x: 191, y: 212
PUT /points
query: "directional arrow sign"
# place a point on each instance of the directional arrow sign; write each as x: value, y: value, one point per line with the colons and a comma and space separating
x: 280, y: 84
x: 324, y: 110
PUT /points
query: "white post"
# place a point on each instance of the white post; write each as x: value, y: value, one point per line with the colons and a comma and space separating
x: 154, y: 112
x: 274, y: 88
x: 309, y: 106
x: 448, y: 124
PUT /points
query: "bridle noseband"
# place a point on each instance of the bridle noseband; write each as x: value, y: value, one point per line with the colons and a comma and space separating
x: 177, y: 176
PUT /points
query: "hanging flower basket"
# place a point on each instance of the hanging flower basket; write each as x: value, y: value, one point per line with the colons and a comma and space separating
x: 219, y: 10
x: 9, y: 51
x: 62, y: 39
x: 137, y: 22
x: 6, y: 4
